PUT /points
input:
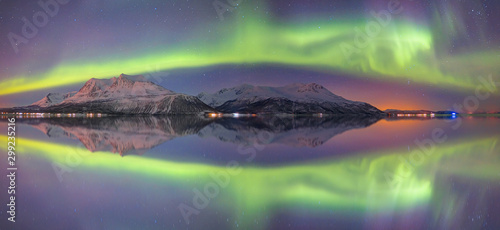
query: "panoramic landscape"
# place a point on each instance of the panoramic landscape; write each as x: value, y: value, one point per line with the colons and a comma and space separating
x: 266, y: 114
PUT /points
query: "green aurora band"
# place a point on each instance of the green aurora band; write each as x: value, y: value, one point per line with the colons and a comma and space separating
x: 403, y: 50
x: 360, y: 183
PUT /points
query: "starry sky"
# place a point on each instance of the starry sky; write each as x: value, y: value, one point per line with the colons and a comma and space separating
x: 404, y: 54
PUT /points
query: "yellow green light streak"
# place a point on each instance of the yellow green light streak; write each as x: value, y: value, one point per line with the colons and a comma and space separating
x: 355, y: 183
x: 403, y: 50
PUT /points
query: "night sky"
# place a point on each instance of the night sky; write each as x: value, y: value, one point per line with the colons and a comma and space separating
x: 427, y: 55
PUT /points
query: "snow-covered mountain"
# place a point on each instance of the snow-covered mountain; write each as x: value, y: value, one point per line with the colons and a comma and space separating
x: 294, y: 98
x: 136, y: 95
x: 53, y: 98
x: 123, y: 86
x: 126, y: 95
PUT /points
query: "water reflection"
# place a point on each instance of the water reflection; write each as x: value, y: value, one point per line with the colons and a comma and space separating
x: 454, y: 186
x: 135, y: 135
x: 293, y: 131
x: 373, y: 190
x: 124, y: 135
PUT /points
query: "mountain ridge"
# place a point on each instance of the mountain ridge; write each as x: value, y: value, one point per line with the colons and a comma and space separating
x: 293, y: 98
x: 134, y: 94
x: 126, y: 94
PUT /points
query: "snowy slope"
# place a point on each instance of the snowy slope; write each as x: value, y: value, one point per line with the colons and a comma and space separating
x: 295, y: 92
x: 53, y: 98
x: 117, y: 134
x: 294, y: 98
x: 124, y: 86
x: 128, y: 95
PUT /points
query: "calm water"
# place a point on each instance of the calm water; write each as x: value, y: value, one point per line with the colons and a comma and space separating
x: 255, y: 173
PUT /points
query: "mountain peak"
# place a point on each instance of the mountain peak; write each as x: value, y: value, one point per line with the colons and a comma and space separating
x: 250, y: 94
x: 53, y: 98
x: 309, y: 87
x: 134, y: 78
x: 117, y: 88
x: 95, y: 85
x: 126, y: 94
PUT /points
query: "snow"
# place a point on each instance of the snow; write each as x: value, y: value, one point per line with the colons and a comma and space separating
x: 53, y: 98
x: 298, y: 92
x: 126, y: 95
x: 123, y: 87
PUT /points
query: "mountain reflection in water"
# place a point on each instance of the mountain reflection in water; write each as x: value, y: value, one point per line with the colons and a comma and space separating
x: 137, y: 134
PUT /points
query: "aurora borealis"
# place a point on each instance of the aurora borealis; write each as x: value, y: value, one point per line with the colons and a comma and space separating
x: 313, y: 172
x: 252, y: 197
x: 433, y: 49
